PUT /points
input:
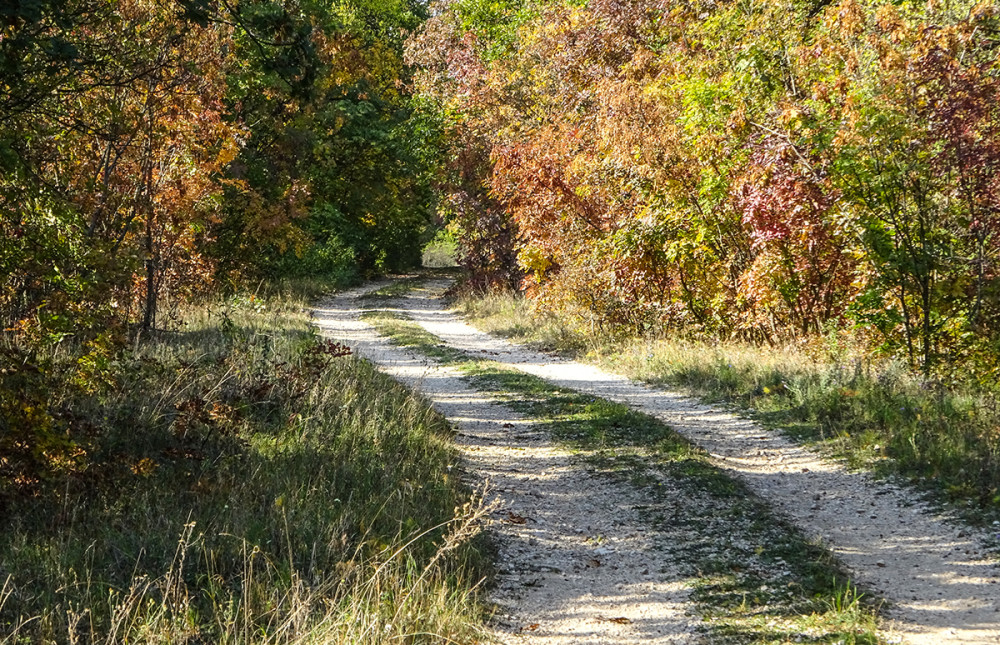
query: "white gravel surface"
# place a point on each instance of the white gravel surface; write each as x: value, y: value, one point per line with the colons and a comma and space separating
x: 941, y: 586
x: 575, y: 565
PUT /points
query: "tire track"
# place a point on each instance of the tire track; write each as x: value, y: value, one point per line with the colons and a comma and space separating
x: 575, y: 563
x: 942, y: 587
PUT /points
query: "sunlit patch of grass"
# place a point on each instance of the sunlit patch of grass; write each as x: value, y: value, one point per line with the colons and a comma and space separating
x: 877, y: 415
x: 441, y: 252
x: 393, y: 290
x: 841, y: 620
x: 507, y: 316
x: 755, y: 577
x: 406, y: 334
x: 246, y: 482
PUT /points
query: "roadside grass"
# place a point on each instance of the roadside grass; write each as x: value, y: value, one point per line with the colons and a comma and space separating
x: 875, y: 415
x: 512, y: 316
x: 243, y: 481
x: 756, y: 578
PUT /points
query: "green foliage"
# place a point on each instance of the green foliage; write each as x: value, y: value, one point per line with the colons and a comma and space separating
x: 494, y: 23
x: 338, y: 154
x: 441, y: 251
x: 754, y: 171
x: 153, y: 152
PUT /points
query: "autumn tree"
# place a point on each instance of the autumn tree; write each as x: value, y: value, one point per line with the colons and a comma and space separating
x: 154, y: 151
x: 757, y: 170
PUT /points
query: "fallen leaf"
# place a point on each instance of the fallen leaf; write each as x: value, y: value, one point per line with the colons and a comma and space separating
x: 514, y: 518
x: 620, y: 620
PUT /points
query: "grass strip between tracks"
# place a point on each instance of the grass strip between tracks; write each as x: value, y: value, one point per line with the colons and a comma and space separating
x: 826, y: 391
x: 755, y: 577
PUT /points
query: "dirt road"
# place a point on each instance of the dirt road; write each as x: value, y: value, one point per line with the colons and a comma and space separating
x: 941, y: 587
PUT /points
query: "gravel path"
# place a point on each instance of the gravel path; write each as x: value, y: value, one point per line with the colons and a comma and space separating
x: 575, y: 563
x: 941, y: 587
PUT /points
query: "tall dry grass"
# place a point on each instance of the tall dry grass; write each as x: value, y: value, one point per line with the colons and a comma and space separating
x: 244, y: 482
x: 874, y: 412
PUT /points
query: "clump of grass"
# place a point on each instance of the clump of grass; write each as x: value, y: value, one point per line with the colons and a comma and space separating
x: 404, y: 333
x: 875, y: 414
x: 503, y: 314
x: 393, y: 290
x: 756, y: 578
x: 244, y: 481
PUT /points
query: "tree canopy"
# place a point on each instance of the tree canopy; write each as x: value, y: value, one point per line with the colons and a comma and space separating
x: 758, y: 170
x: 152, y: 147
x: 155, y: 151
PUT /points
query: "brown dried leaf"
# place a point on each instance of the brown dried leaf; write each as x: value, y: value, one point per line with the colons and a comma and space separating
x: 619, y: 620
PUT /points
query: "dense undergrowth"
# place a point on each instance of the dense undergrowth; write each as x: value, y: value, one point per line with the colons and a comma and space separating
x: 153, y: 152
x: 878, y: 415
x: 239, y: 480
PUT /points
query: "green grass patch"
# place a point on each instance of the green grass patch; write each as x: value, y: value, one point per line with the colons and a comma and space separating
x: 441, y: 252
x: 875, y: 415
x: 755, y: 577
x: 241, y: 479
x: 407, y: 334
x: 393, y: 290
